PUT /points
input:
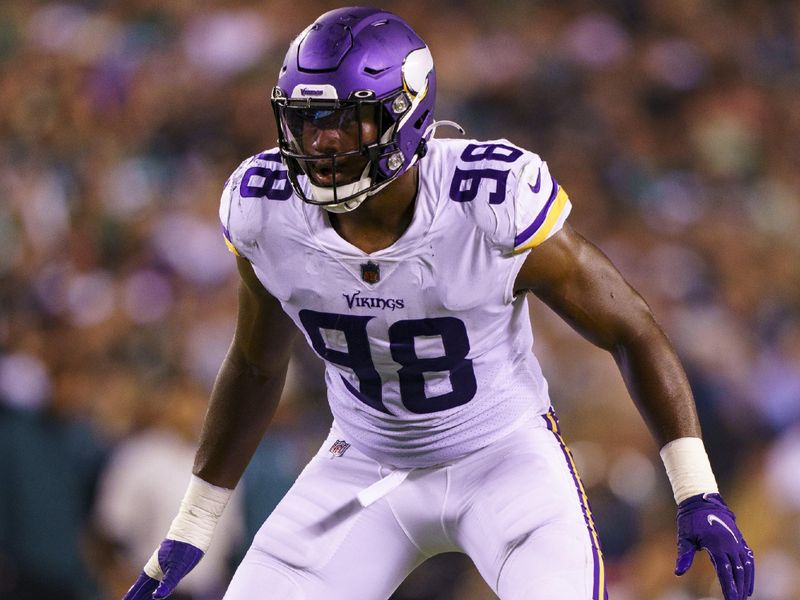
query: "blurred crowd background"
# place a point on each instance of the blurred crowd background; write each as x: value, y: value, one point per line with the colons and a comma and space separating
x: 674, y: 126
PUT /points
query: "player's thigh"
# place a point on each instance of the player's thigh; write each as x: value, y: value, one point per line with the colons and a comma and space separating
x: 526, y: 523
x: 369, y: 564
x: 320, y: 543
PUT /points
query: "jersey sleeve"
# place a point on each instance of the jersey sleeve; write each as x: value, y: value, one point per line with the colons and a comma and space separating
x: 241, y: 207
x: 541, y: 206
x: 226, y: 203
x: 511, y: 193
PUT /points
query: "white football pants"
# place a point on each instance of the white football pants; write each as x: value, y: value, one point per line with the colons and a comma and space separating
x: 516, y: 508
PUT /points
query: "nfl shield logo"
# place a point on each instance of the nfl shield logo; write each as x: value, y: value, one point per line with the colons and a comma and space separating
x: 371, y: 272
x: 339, y: 448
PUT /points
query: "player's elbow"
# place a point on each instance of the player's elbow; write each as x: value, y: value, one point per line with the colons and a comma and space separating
x: 638, y: 331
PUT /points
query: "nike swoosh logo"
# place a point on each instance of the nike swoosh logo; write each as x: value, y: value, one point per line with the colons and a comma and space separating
x: 535, y: 187
x: 715, y: 519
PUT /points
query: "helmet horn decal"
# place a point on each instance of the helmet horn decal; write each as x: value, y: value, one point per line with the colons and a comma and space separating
x: 416, y: 68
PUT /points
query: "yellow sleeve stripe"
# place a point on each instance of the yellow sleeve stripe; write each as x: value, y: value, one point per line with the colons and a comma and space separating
x: 552, y: 218
x: 226, y: 235
x: 231, y: 247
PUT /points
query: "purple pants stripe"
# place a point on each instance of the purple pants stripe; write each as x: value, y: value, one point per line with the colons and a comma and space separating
x: 599, y: 591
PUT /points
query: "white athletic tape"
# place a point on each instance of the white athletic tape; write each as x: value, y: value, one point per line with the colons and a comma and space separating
x: 688, y: 468
x: 201, y: 508
x: 152, y: 568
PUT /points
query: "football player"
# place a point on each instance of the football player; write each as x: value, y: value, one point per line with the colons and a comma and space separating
x: 405, y: 262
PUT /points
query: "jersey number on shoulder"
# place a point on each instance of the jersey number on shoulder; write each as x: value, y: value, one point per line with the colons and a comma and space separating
x: 260, y: 182
x: 465, y: 184
x: 353, y: 329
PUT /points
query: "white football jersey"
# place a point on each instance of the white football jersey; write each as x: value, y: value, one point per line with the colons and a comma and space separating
x: 428, y: 352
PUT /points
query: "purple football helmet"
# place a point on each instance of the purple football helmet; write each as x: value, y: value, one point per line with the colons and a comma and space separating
x: 354, y: 105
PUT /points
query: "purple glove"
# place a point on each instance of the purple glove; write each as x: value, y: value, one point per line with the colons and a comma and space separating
x: 176, y: 559
x: 706, y: 523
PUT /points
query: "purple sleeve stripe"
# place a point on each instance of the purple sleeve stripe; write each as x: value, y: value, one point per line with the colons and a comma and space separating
x: 537, y: 222
x: 226, y: 233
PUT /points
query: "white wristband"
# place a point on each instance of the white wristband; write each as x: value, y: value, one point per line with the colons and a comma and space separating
x: 688, y: 468
x: 201, y: 508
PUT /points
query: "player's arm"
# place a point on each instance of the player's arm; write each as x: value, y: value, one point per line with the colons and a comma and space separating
x: 243, y: 401
x: 583, y: 287
x: 580, y: 284
x: 248, y: 385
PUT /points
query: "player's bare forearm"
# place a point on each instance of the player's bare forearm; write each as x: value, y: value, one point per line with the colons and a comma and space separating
x: 580, y: 284
x: 248, y: 386
x: 242, y: 404
x: 658, y: 385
